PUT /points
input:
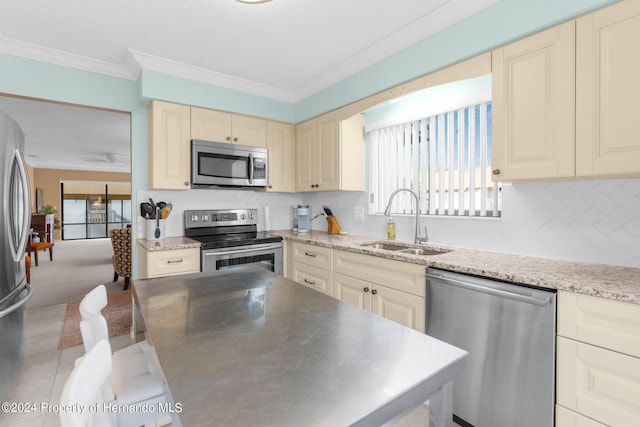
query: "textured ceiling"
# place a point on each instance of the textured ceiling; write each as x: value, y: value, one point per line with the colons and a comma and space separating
x: 284, y: 49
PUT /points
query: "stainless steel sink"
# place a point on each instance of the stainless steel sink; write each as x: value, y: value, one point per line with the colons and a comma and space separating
x: 421, y: 251
x: 385, y: 246
x: 405, y: 249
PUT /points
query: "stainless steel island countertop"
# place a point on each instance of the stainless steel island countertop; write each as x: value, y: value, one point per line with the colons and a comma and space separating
x: 247, y: 347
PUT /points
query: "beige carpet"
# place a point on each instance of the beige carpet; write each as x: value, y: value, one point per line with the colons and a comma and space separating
x: 117, y: 312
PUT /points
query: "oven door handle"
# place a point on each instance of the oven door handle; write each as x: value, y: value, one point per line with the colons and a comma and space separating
x: 240, y: 251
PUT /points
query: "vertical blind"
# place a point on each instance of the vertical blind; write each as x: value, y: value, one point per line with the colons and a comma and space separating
x: 445, y: 159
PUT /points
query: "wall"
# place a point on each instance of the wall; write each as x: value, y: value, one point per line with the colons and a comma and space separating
x: 49, y: 180
x: 591, y: 221
x: 502, y: 22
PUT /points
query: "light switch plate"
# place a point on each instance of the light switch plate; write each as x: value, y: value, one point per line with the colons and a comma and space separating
x: 358, y: 213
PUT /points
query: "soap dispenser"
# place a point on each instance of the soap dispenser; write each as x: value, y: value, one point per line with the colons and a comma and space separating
x: 391, y: 229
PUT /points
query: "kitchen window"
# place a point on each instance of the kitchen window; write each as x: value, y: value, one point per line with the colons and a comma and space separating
x: 445, y: 158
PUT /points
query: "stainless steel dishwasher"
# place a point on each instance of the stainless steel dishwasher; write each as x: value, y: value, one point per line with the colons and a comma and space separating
x: 509, y: 331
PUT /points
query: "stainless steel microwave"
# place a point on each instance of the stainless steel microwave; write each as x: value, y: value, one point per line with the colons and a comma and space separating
x: 218, y: 164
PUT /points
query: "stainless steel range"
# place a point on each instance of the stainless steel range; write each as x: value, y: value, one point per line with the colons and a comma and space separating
x: 230, y: 239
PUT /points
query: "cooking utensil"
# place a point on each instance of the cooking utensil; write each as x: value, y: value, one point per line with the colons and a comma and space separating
x: 161, y: 205
x: 146, y: 210
x: 157, y: 233
x: 153, y: 206
x: 166, y: 211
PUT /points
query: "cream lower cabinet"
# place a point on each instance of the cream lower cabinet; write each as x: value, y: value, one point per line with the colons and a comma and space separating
x: 400, y: 307
x: 598, y: 361
x: 393, y: 289
x: 311, y: 266
x: 168, y: 263
x: 607, y: 91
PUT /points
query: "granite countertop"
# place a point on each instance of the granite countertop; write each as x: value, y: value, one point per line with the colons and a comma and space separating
x: 248, y: 347
x: 168, y: 244
x: 601, y: 280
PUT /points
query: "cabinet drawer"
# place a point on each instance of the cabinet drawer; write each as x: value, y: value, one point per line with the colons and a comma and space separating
x: 313, y: 277
x: 599, y: 383
x: 568, y: 418
x: 606, y: 323
x: 318, y: 256
x: 168, y: 263
x: 402, y: 276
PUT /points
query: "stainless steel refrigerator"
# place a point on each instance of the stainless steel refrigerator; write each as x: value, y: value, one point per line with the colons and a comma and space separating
x: 14, y: 230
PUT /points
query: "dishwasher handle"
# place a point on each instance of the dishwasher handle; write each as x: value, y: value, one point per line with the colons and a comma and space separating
x: 542, y: 301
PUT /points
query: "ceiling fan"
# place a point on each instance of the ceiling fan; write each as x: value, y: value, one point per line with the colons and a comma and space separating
x: 114, y: 158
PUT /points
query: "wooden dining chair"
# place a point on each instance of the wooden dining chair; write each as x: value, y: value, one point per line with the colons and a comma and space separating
x: 36, y: 247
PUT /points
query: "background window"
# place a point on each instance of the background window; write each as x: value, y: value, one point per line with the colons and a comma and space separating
x: 445, y: 159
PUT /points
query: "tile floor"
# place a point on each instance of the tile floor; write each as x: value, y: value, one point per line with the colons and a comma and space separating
x: 45, y: 370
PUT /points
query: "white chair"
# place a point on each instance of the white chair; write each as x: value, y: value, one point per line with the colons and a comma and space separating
x: 133, y: 378
x: 84, y: 389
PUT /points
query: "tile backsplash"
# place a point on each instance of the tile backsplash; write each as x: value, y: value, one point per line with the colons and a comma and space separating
x: 592, y: 220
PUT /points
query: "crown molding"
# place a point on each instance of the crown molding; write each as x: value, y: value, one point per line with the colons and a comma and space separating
x: 444, y: 16
x: 134, y: 61
x: 66, y: 59
x: 168, y: 66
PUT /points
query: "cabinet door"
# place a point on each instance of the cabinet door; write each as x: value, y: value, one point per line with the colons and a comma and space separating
x: 352, y: 291
x: 280, y: 145
x: 249, y: 131
x: 607, y: 91
x: 533, y: 106
x: 567, y: 418
x: 599, y: 383
x: 406, y: 309
x: 210, y: 125
x: 169, y: 146
x: 313, y: 277
x: 327, y: 158
x: 305, y: 156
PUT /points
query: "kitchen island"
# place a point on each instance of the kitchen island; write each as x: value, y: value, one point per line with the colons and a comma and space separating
x: 247, y: 347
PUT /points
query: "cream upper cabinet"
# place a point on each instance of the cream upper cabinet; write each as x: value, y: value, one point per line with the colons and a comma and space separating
x: 211, y: 125
x: 281, y: 155
x: 607, y: 91
x: 533, y: 106
x: 305, y: 156
x: 169, y: 146
x: 330, y: 153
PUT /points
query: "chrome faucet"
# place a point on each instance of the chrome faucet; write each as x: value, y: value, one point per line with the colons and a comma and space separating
x: 418, y: 238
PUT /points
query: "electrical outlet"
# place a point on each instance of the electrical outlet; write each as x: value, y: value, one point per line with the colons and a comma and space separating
x: 358, y: 213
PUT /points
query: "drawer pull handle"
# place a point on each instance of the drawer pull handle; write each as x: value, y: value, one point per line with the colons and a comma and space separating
x: 311, y: 254
x: 174, y: 261
x: 309, y: 282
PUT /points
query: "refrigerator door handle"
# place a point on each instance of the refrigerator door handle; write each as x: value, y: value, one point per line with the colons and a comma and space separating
x: 17, y: 251
x: 19, y: 303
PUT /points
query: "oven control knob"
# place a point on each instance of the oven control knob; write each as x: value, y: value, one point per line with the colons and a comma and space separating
x: 242, y: 216
x: 205, y: 218
x: 194, y: 218
x: 250, y: 215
